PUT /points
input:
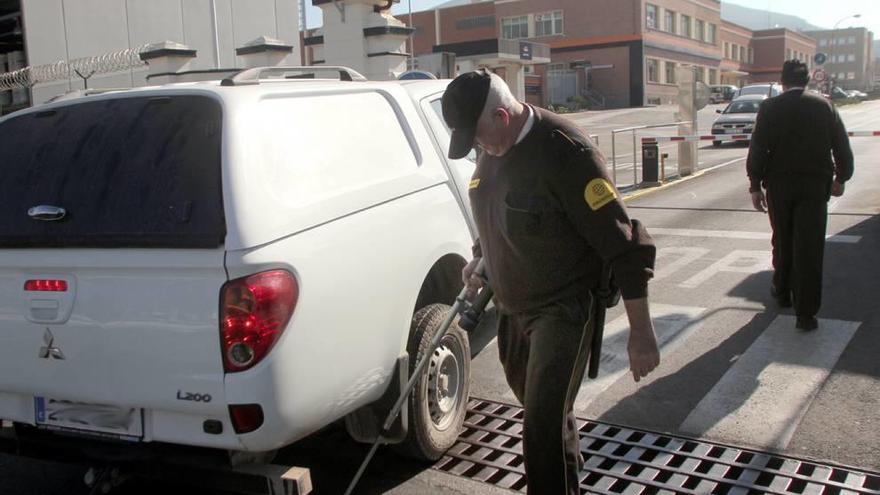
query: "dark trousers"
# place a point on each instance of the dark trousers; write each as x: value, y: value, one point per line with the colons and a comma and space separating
x: 544, y: 353
x: 798, y: 210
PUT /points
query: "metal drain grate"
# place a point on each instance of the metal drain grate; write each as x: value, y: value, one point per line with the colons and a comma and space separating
x: 628, y: 461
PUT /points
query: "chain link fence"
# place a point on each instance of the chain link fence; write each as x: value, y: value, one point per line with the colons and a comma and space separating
x: 84, y: 68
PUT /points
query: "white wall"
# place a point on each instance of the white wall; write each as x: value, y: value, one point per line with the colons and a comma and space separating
x: 68, y: 29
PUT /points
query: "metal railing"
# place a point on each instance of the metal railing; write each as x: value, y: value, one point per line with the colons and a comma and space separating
x: 84, y: 68
x: 614, y: 134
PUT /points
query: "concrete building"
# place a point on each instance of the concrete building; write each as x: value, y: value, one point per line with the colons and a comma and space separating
x: 211, y: 34
x: 850, y: 56
x: 773, y: 46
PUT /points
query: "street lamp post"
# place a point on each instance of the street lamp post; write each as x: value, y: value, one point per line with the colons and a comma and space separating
x: 833, y: 76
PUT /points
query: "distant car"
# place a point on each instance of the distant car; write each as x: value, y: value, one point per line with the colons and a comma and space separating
x: 739, y: 117
x: 766, y: 89
x: 854, y: 93
x: 839, y: 94
x: 722, y: 93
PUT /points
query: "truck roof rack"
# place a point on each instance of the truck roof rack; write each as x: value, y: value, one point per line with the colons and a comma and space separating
x: 253, y: 75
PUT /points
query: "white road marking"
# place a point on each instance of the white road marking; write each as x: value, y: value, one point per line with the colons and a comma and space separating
x: 737, y: 261
x: 762, y: 398
x: 687, y: 256
x: 672, y: 325
x: 738, y: 234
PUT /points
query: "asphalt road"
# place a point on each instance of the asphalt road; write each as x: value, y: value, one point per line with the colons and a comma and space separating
x: 733, y: 368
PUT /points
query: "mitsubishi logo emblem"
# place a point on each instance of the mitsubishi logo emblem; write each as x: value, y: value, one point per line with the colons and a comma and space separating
x: 49, y: 351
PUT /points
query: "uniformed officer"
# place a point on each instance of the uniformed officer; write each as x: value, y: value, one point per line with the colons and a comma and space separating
x: 546, y: 214
x: 796, y: 135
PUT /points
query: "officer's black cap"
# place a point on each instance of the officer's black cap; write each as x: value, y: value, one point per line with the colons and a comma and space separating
x: 463, y: 104
x: 795, y: 73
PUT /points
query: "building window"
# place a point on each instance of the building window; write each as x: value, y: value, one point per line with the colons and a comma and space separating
x: 700, y: 74
x: 788, y: 54
x: 700, y: 33
x: 653, y: 70
x: 823, y: 42
x: 841, y: 41
x: 548, y: 23
x: 851, y: 57
x: 651, y: 16
x: 686, y: 26
x: 851, y: 40
x: 515, y: 27
x: 670, y: 72
x: 712, y: 33
x: 713, y: 76
x: 742, y: 53
x: 475, y: 22
x: 726, y: 50
x: 850, y: 75
x: 669, y: 22
x: 733, y: 51
x: 751, y: 56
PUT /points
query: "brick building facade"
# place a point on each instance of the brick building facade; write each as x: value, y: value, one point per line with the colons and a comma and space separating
x: 613, y: 53
x: 850, y: 56
x: 772, y: 46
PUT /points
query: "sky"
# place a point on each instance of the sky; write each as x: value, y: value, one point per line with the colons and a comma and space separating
x: 822, y: 13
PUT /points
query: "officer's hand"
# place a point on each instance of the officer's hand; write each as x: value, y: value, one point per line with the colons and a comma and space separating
x: 644, y: 355
x: 759, y: 201
x: 473, y: 282
x: 837, y: 189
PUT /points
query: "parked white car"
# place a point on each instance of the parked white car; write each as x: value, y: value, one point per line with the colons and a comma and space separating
x: 232, y: 265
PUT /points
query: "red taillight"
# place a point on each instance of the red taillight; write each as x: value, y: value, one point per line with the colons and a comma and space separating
x: 254, y: 311
x: 246, y: 417
x: 46, y: 285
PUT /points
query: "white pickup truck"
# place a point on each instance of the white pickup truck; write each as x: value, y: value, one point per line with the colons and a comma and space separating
x: 231, y: 265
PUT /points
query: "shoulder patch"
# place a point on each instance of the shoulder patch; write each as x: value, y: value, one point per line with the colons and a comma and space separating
x: 475, y: 183
x: 598, y: 193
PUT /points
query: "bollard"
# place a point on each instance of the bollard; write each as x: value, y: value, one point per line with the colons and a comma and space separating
x: 650, y: 164
x: 663, y: 158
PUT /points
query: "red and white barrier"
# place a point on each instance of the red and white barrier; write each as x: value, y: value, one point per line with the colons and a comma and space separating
x: 719, y: 137
x: 732, y: 137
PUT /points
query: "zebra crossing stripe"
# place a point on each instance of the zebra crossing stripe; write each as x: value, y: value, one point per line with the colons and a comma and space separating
x: 672, y: 325
x: 735, y: 234
x: 762, y: 398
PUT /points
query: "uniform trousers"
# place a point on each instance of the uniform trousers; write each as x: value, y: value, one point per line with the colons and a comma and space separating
x: 798, y: 211
x: 544, y: 353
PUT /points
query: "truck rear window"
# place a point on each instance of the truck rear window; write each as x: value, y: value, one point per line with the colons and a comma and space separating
x: 128, y: 172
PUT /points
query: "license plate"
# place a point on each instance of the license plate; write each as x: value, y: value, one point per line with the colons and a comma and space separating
x: 733, y: 131
x: 103, y: 420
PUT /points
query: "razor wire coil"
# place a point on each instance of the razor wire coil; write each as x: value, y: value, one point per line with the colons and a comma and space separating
x: 84, y: 67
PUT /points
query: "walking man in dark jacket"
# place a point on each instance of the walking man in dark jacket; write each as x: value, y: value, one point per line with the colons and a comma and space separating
x: 800, y: 155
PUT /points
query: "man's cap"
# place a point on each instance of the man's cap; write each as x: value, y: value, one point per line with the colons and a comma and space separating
x: 795, y: 73
x: 463, y: 104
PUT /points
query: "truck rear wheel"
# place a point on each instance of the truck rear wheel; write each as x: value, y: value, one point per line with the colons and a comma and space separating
x: 438, y: 402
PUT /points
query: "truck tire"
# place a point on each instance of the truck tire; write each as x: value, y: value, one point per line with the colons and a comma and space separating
x: 438, y: 401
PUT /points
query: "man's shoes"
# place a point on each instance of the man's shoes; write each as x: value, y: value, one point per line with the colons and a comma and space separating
x: 807, y: 323
x: 783, y: 299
